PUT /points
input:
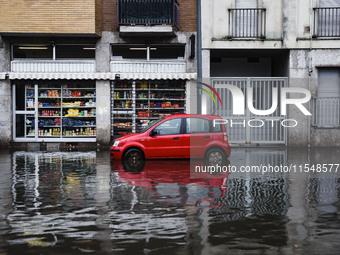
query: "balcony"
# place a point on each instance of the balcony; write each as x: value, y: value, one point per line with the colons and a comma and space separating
x: 247, y: 23
x: 148, y: 17
x: 326, y: 22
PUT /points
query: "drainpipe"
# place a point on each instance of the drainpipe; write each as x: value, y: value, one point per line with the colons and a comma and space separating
x: 199, y: 56
x: 310, y: 67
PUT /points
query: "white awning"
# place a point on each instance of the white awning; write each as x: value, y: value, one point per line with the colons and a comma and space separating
x: 52, y: 76
x: 158, y: 76
x: 100, y: 76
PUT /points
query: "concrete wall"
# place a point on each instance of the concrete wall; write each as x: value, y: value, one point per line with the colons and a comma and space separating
x: 303, y: 72
x: 5, y: 98
x: 103, y: 52
x: 215, y: 22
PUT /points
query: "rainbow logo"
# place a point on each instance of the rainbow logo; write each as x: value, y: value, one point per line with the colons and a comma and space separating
x: 210, y: 94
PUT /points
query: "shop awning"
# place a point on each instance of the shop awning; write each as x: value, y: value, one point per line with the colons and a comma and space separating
x: 158, y: 76
x: 101, y: 76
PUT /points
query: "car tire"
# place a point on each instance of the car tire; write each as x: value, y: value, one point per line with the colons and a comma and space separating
x: 215, y: 156
x: 134, y: 158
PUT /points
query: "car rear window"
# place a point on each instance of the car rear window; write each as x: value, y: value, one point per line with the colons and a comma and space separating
x: 217, y: 128
x: 197, y: 125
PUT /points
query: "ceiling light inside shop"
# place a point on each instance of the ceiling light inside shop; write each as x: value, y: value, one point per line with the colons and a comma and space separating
x: 142, y: 48
x: 32, y: 48
x: 89, y: 48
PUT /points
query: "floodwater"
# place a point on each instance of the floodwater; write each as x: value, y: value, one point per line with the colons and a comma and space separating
x: 82, y: 203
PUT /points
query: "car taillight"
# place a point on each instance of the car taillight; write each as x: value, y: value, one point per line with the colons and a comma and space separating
x: 225, y: 136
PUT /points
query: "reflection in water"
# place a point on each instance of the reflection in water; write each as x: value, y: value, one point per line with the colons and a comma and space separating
x: 73, y: 203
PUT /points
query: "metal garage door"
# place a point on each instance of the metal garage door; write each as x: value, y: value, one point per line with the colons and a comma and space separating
x: 271, y: 132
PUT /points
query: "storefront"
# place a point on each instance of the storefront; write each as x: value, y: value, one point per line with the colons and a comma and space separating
x: 134, y: 103
x: 48, y: 111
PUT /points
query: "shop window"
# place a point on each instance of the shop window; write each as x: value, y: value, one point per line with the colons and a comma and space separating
x: 136, y: 103
x: 75, y: 51
x: 167, y: 52
x: 54, y: 110
x: 151, y: 52
x: 30, y: 51
x: 129, y: 52
x: 52, y: 52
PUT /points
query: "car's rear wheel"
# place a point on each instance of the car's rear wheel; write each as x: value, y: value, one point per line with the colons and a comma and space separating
x: 215, y: 156
x: 134, y: 157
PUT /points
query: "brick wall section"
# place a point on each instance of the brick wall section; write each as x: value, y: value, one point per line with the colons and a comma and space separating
x: 187, y: 15
x: 50, y: 16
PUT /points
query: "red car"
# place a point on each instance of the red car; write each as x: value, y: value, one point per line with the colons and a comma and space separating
x: 176, y: 136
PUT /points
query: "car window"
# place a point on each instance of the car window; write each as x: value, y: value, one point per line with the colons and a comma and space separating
x: 169, y: 127
x: 217, y: 128
x: 151, y: 124
x: 197, y: 125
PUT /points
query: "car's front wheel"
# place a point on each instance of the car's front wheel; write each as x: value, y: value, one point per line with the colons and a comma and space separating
x: 215, y: 156
x: 134, y: 157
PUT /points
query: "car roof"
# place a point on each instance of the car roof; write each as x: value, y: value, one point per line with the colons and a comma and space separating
x: 204, y: 116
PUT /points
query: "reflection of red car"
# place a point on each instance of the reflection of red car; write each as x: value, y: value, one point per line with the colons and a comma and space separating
x: 176, y: 136
x: 149, y: 173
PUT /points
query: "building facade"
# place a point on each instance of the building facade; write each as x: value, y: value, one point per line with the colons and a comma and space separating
x: 276, y: 44
x: 89, y: 71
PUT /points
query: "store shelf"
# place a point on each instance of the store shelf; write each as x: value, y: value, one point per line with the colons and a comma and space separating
x: 78, y: 97
x: 146, y: 118
x: 78, y: 88
x: 49, y: 97
x: 46, y: 107
x: 46, y: 126
x: 160, y: 99
x: 79, y: 116
x: 81, y: 126
x: 49, y: 88
x: 84, y: 136
x: 169, y: 89
x: 50, y: 117
x: 49, y: 136
x: 123, y: 118
x: 90, y: 107
x: 123, y: 89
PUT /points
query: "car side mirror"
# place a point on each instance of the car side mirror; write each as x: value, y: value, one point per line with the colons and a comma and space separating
x: 154, y: 132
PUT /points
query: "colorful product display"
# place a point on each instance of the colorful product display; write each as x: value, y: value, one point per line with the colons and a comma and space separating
x: 71, y: 108
x: 134, y: 105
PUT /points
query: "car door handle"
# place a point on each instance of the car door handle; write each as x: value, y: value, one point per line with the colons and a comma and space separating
x: 175, y: 138
x: 207, y: 136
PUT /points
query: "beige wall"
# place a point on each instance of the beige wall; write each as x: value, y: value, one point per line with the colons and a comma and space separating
x: 50, y: 16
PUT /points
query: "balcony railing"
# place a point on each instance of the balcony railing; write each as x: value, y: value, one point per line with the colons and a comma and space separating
x: 247, y: 23
x: 326, y: 112
x: 148, y: 12
x: 326, y: 22
x: 53, y: 66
